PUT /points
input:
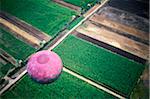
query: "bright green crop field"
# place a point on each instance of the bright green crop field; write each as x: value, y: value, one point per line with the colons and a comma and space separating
x: 82, y: 3
x: 99, y: 64
x: 45, y: 15
x: 13, y: 46
x: 66, y: 87
x: 87, y: 59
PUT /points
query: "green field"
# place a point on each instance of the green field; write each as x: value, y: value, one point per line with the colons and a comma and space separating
x: 45, y: 15
x: 99, y: 64
x: 13, y: 46
x: 4, y: 68
x: 66, y: 87
x: 82, y: 3
x: 87, y: 59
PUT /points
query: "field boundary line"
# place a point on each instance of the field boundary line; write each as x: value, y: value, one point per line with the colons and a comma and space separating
x: 12, y: 82
x: 69, y: 32
x: 92, y: 83
x: 17, y: 31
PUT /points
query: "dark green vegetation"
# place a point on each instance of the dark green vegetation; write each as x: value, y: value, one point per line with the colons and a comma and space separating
x: 4, y: 67
x: 75, y: 22
x: 82, y: 3
x: 66, y: 87
x: 45, y: 15
x: 140, y: 91
x: 99, y: 64
x: 42, y: 14
x: 13, y: 46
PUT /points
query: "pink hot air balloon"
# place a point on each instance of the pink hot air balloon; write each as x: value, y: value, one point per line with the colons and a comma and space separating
x: 44, y: 66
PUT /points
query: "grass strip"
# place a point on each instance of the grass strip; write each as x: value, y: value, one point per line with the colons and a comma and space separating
x: 75, y: 22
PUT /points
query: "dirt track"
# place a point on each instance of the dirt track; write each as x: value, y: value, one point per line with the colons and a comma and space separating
x: 7, y: 57
x: 20, y: 33
x: 73, y: 7
x: 25, y: 27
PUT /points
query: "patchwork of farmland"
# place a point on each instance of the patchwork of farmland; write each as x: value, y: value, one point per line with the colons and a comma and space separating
x: 104, y: 57
x: 45, y: 15
x: 99, y: 64
x: 24, y: 22
x: 15, y: 47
